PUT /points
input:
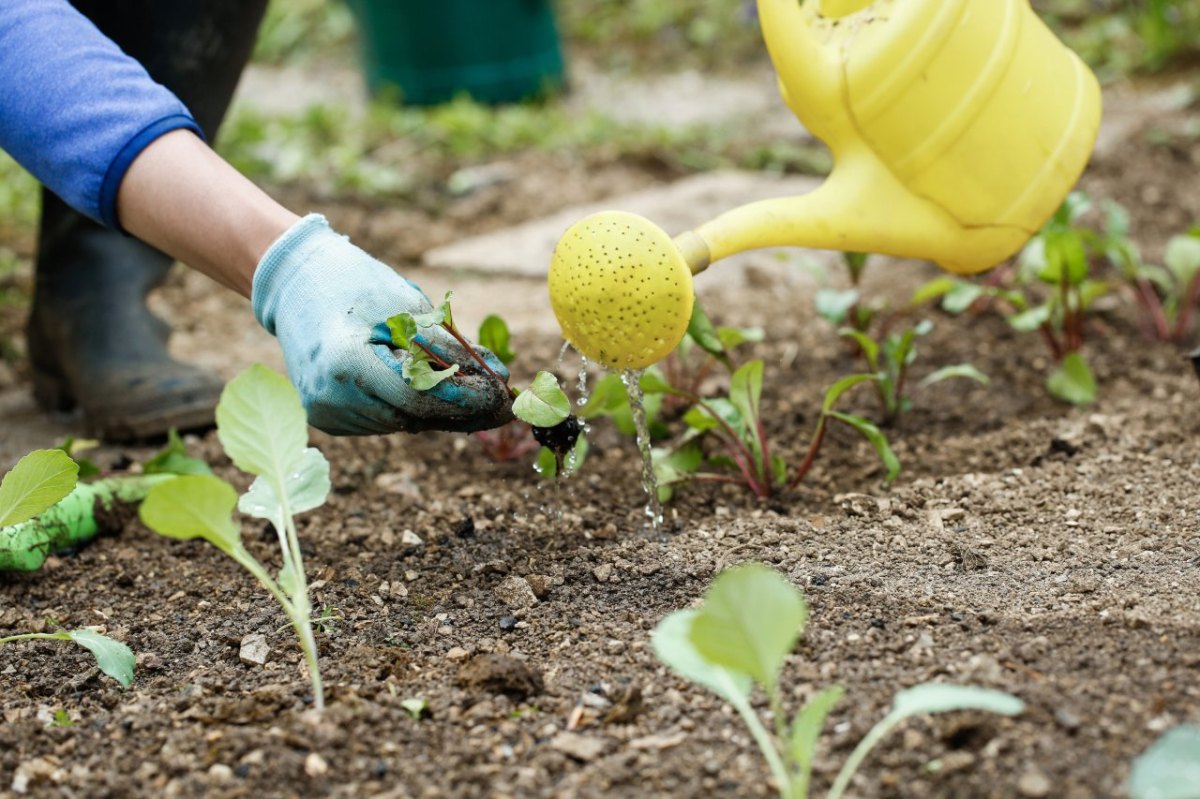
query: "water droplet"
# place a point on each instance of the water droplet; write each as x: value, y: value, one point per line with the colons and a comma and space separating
x: 633, y: 387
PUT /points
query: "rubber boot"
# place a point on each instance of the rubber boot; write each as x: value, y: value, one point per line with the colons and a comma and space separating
x: 92, y: 342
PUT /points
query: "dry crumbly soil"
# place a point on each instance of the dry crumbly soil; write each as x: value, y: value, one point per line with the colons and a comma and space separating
x: 1047, y: 551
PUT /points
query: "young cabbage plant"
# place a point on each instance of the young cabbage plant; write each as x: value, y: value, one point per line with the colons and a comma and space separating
x: 740, y: 638
x: 263, y: 429
x: 61, y: 513
x: 744, y: 455
x: 889, y: 360
x: 1170, y: 769
x: 113, y: 657
x: 546, y: 407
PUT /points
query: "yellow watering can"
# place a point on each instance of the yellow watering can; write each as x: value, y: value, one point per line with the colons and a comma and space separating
x: 957, y: 128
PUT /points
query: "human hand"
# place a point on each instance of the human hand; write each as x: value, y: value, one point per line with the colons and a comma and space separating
x: 328, y: 303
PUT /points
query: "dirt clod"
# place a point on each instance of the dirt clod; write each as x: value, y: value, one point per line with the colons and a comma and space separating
x: 492, y: 674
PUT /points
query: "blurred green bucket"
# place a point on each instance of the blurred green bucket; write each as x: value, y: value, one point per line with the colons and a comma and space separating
x: 429, y: 51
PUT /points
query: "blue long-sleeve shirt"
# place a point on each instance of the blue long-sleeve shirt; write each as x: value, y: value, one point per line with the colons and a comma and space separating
x: 75, y: 110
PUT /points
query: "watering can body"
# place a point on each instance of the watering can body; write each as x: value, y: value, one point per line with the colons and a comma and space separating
x: 957, y: 128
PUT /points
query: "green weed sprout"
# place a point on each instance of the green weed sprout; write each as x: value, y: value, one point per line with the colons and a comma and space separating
x: 263, y: 428
x: 740, y: 638
x: 113, y: 657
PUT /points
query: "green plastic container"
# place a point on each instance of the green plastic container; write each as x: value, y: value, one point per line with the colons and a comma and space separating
x: 430, y: 51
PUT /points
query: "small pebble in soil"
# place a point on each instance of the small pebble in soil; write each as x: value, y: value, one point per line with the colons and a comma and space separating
x: 516, y: 593
x: 254, y: 649
x: 315, y: 765
x: 508, y: 623
x: 1034, y: 784
x: 465, y: 528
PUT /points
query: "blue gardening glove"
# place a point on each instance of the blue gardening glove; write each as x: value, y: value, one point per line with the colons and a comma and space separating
x: 328, y: 303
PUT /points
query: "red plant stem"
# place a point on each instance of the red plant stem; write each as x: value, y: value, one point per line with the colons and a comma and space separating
x: 810, y: 457
x: 734, y: 438
x: 1184, y: 319
x: 432, y: 355
x: 1056, y: 349
x: 1150, y: 301
x: 452, y: 330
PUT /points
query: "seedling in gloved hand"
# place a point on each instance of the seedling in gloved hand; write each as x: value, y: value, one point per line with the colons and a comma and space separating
x: 543, y: 405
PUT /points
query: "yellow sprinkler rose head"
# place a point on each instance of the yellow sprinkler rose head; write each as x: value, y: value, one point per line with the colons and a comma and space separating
x: 621, y: 289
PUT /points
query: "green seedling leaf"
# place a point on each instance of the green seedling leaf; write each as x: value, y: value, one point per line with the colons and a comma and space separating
x: 1092, y: 290
x: 447, y: 318
x: 807, y: 726
x: 701, y: 420
x: 701, y: 330
x: 834, y: 306
x: 543, y: 404
x: 421, y: 375
x: 877, y: 439
x: 1183, y: 258
x: 306, y: 488
x: 546, y: 463
x: 961, y: 297
x: 865, y: 343
x: 672, y: 643
x: 403, y: 329
x: 675, y: 466
x: 261, y: 424
x: 933, y: 290
x: 750, y: 620
x: 745, y: 390
x: 493, y: 334
x: 856, y: 264
x: 1065, y: 257
x: 653, y: 381
x: 1170, y: 768
x: 194, y: 506
x: 734, y: 337
x: 36, y: 484
x: 607, y: 395
x: 74, y: 447
x: 1030, y: 320
x: 415, y: 707
x: 113, y: 657
x: 835, y: 392
x: 964, y: 370
x: 779, y: 469
x: 1073, y: 381
x: 174, y: 459
x: 943, y: 698
x: 922, y: 699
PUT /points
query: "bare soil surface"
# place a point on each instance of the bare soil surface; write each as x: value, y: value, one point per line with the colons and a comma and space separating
x: 1048, y: 551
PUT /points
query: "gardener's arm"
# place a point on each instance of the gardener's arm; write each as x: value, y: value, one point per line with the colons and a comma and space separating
x: 89, y: 123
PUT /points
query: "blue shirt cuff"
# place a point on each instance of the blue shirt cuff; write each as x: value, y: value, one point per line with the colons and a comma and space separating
x: 127, y: 155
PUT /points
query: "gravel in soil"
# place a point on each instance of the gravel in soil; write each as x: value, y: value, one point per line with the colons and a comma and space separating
x: 1047, y: 551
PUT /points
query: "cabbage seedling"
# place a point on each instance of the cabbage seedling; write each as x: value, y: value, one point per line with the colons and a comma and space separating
x: 741, y: 636
x: 263, y: 428
x: 113, y: 657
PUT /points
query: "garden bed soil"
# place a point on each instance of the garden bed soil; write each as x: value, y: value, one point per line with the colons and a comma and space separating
x: 1044, y: 550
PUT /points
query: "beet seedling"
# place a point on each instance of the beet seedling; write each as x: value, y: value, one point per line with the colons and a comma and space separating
x: 741, y: 636
x: 544, y: 405
x: 513, y: 440
x: 263, y: 429
x: 889, y: 360
x: 1050, y: 292
x: 113, y: 657
x: 745, y: 457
